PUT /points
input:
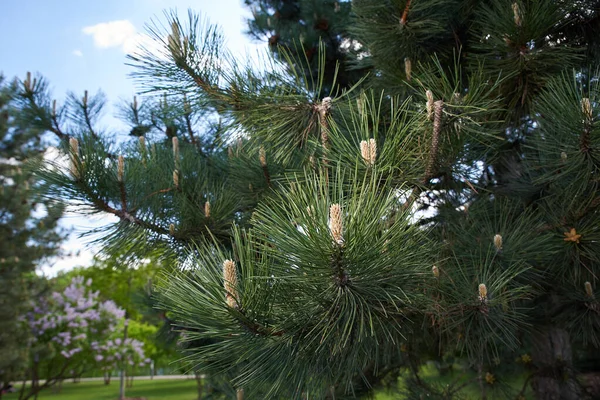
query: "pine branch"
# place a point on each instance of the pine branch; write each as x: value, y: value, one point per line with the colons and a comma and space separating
x: 123, y: 214
x: 404, y: 17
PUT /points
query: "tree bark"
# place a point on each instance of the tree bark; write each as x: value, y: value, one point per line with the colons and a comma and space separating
x: 199, y: 384
x: 555, y: 377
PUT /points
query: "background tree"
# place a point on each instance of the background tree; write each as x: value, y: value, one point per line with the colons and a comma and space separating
x: 299, y: 27
x: 448, y: 211
x: 28, y: 227
x: 110, y: 277
x: 67, y: 325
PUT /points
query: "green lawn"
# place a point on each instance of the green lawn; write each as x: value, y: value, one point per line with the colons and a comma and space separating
x: 186, y: 389
x: 149, y: 389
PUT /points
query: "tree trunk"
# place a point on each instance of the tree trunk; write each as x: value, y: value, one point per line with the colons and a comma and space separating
x: 35, y: 381
x: 199, y: 384
x: 555, y: 378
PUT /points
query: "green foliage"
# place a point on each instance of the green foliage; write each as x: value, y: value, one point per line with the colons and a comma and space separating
x: 303, y: 297
x: 28, y: 230
x: 300, y: 27
x: 465, y: 170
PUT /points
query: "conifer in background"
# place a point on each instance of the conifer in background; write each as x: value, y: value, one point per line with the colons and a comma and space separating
x: 300, y: 27
x: 331, y: 242
x: 28, y: 230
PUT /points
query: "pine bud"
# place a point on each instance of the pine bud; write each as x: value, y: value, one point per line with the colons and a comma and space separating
x: 207, y: 209
x: 250, y: 187
x: 53, y: 108
x: 588, y: 290
x: 326, y: 104
x: 176, y: 178
x: 335, y: 222
x: 407, y: 68
x: 498, y: 241
x: 368, y: 151
x: 229, y: 152
x: 586, y: 107
x: 27, y: 82
x: 517, y: 14
x: 85, y: 98
x: 121, y: 168
x: 172, y: 230
x: 176, y: 150
x: 429, y: 104
x: 360, y: 104
x: 239, y: 394
x: 563, y: 156
x: 135, y: 103
x: 230, y: 283
x: 482, y: 293
x: 74, y: 145
x: 262, y: 156
x: 373, y: 150
x: 436, y: 271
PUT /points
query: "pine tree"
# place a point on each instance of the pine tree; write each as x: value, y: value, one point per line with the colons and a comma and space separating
x: 300, y: 27
x: 28, y: 233
x: 329, y: 243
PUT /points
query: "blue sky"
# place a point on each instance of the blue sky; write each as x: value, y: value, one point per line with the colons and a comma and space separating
x: 63, y: 39
x: 81, y: 45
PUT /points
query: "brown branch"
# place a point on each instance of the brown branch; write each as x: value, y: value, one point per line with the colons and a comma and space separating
x: 122, y: 214
x: 187, y: 112
x: 267, y: 175
x: 154, y: 194
x: 56, y: 128
x: 123, y: 196
x: 88, y: 120
x: 324, y: 109
x: 404, y: 17
x: 438, y: 108
x: 188, y: 123
x: 48, y: 383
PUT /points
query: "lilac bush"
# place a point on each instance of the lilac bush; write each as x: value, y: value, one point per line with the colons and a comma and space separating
x: 74, y: 331
x: 117, y: 354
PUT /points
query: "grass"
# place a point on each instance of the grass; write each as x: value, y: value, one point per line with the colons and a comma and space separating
x: 186, y: 389
x: 149, y: 389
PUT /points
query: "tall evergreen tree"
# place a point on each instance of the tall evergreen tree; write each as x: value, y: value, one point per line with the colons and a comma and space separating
x: 328, y: 243
x: 28, y: 227
x: 300, y: 27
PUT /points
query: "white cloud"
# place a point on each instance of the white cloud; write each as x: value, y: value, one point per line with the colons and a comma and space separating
x: 77, y: 53
x: 121, y: 33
